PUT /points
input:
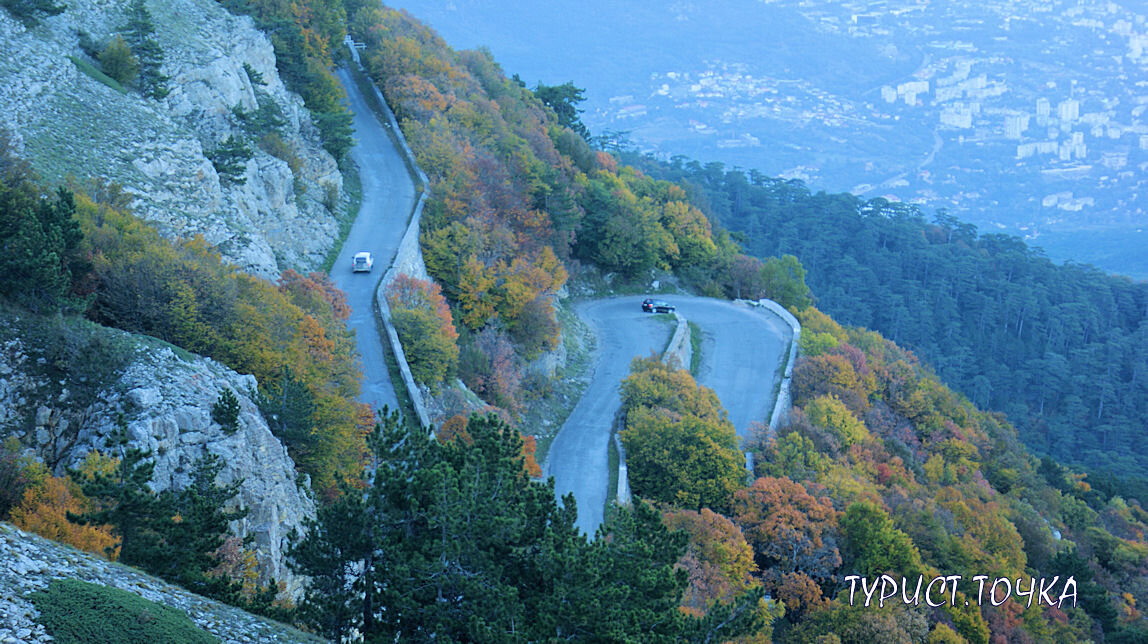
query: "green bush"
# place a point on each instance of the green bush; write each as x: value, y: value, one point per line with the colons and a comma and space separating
x: 117, y: 61
x: 431, y: 353
x: 273, y: 144
x: 84, y: 613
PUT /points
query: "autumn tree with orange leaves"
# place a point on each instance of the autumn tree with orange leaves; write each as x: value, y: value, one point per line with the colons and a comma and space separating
x: 422, y: 320
x: 791, y: 532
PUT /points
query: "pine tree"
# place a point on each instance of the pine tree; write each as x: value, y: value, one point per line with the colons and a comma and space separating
x: 454, y: 542
x: 289, y: 407
x: 39, y: 237
x: 139, y: 32
x: 197, y: 530
x: 230, y: 159
x: 564, y: 100
x: 225, y: 411
x: 341, y: 548
x: 126, y: 501
x: 175, y: 535
x: 253, y: 75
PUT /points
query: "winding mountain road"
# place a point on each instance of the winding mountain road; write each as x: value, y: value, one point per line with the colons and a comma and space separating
x: 742, y: 349
x: 388, y: 197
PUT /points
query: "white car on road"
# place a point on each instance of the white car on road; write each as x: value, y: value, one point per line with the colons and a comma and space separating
x: 362, y: 262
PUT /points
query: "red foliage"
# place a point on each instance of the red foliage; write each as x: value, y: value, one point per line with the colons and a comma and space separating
x: 529, y: 448
x: 786, y: 525
x: 883, y: 473
x: 454, y: 429
x: 607, y: 162
x: 800, y: 594
x: 315, y: 288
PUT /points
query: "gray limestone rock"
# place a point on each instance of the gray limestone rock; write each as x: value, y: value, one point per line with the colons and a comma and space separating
x: 68, y: 123
x: 166, y: 401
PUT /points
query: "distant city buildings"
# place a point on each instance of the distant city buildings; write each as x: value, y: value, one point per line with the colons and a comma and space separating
x: 1068, y: 111
x: 978, y: 99
x: 1016, y: 125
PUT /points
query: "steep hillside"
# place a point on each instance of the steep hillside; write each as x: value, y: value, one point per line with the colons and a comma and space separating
x: 65, y: 383
x: 518, y: 203
x: 28, y: 563
x: 881, y: 471
x: 271, y: 213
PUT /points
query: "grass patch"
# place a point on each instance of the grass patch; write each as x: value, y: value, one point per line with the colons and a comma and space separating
x: 670, y: 319
x: 695, y: 348
x: 613, y: 459
x: 666, y: 318
x: 780, y: 376
x: 348, y: 211
x: 68, y: 352
x: 96, y: 74
x: 147, y: 342
x: 76, y: 611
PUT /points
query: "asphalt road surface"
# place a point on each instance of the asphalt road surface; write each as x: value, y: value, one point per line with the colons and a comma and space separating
x: 742, y: 349
x: 388, y: 197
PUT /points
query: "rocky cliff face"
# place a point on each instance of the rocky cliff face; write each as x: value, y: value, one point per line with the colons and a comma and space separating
x: 69, y: 124
x: 166, y: 398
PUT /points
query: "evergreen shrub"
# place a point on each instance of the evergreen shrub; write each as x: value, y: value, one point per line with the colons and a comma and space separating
x: 76, y: 611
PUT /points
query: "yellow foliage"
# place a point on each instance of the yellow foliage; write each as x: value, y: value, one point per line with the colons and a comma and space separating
x: 828, y: 412
x: 184, y: 294
x: 935, y: 469
x: 97, y: 463
x: 942, y: 634
x: 814, y: 321
x: 44, y: 510
x: 474, y: 293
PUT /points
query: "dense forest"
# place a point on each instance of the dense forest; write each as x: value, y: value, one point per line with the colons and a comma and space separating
x: 1062, y: 350
x: 881, y: 470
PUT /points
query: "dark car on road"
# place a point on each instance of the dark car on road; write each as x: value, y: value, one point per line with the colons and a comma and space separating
x: 657, y: 306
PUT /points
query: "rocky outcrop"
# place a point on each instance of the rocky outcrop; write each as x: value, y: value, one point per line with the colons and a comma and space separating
x: 166, y: 398
x: 69, y: 124
x: 29, y: 563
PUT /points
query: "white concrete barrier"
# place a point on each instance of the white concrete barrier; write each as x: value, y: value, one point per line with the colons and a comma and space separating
x: 408, y: 257
x: 782, y: 404
x: 679, y: 347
